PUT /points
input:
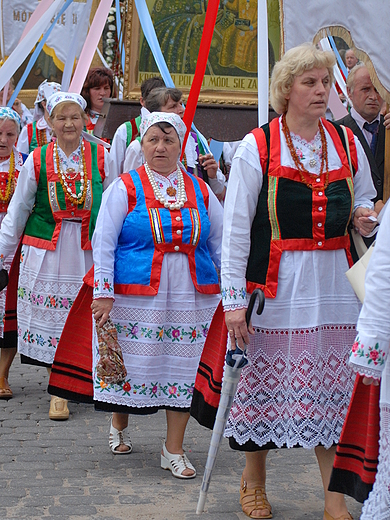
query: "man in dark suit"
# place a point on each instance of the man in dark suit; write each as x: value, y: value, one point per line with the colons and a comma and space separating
x: 366, y: 123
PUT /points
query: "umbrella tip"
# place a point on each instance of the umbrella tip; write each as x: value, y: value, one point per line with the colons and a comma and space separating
x: 201, y: 502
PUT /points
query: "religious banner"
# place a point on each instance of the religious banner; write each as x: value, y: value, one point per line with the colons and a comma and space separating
x: 231, y: 71
x: 15, y: 15
x: 362, y: 24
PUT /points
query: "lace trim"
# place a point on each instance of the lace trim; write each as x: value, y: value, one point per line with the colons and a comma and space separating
x: 296, y: 389
x: 234, y: 307
x: 365, y: 371
x: 314, y: 143
x: 377, y: 506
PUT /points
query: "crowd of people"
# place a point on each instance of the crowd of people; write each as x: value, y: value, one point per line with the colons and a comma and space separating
x: 153, y: 236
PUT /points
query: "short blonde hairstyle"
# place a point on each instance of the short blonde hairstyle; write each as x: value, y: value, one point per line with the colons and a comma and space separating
x: 295, y: 62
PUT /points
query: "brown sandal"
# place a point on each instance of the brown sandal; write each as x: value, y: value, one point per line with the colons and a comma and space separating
x: 253, y: 499
x: 346, y: 516
x: 5, y: 390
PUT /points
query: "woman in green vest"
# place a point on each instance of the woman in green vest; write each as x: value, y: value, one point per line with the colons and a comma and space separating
x: 54, y: 209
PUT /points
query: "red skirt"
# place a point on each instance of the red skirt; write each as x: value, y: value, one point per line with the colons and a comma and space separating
x: 356, y: 459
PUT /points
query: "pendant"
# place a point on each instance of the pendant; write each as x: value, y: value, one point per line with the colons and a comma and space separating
x: 312, y: 163
x: 71, y: 174
x: 171, y: 191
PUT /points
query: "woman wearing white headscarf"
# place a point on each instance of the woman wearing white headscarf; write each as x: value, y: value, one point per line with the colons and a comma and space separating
x: 156, y: 244
x: 54, y: 207
x: 38, y: 133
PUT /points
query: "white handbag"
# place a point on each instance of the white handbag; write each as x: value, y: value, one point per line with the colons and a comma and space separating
x: 357, y: 273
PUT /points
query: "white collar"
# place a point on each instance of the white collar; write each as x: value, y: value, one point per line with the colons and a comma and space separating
x: 360, y: 120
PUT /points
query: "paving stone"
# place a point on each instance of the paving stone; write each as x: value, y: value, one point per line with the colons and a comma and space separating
x: 65, y: 471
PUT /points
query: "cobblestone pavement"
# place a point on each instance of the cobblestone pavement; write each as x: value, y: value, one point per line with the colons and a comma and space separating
x: 65, y: 470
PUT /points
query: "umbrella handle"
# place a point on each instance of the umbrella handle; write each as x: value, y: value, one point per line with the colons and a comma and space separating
x: 237, y: 358
x: 257, y: 293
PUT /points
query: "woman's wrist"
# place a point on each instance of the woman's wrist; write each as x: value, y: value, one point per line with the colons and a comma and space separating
x: 234, y: 297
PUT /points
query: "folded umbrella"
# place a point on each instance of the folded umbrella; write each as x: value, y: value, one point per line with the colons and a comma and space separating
x: 234, y: 363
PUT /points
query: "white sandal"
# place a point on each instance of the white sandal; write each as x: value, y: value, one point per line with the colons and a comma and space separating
x: 117, y: 438
x: 176, y: 463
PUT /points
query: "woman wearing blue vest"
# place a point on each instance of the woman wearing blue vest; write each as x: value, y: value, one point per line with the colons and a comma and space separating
x: 155, y: 248
x: 54, y: 207
x: 290, y: 199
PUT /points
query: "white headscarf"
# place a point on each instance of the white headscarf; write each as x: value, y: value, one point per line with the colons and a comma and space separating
x: 63, y: 97
x: 166, y: 117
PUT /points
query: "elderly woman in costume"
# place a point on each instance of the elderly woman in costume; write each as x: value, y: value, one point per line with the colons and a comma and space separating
x: 170, y: 100
x: 54, y: 207
x: 38, y: 133
x: 290, y: 199
x: 98, y: 84
x: 369, y: 357
x: 11, y: 162
x: 155, y: 248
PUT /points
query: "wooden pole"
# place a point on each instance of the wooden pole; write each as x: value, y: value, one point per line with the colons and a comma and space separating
x: 386, y: 175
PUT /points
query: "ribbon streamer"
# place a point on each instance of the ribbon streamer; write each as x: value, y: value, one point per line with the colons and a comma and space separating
x: 343, y: 68
x: 203, y: 55
x: 80, y: 30
x: 262, y: 62
x: 40, y: 9
x: 151, y: 38
x: 119, y: 33
x: 36, y: 53
x: 23, y: 49
x: 35, y: 17
x: 337, y: 74
x: 90, y: 45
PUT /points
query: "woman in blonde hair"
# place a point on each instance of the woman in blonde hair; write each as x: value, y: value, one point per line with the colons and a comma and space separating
x: 290, y: 199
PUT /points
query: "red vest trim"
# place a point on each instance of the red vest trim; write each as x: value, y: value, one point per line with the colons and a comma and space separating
x: 59, y: 215
x: 318, y: 242
x: 162, y: 248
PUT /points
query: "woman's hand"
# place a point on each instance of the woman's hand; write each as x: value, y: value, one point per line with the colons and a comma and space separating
x: 370, y: 381
x: 237, y: 329
x: 361, y: 221
x: 209, y: 164
x: 101, y: 309
x: 387, y: 121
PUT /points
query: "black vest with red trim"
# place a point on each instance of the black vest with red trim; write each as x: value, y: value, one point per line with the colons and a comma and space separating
x: 297, y: 211
x: 150, y: 230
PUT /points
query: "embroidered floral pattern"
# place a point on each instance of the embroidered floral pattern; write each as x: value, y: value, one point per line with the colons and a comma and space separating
x: 174, y: 334
x: 107, y: 286
x: 373, y: 354
x: 231, y: 294
x: 41, y: 300
x: 153, y: 389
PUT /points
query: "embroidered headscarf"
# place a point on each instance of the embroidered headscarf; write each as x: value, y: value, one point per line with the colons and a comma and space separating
x: 166, y: 117
x: 9, y: 113
x: 47, y: 89
x: 63, y: 97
